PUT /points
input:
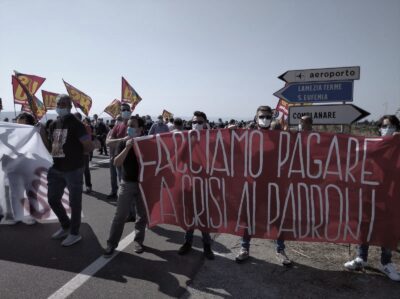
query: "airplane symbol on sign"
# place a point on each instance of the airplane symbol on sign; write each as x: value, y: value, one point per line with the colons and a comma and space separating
x: 300, y: 75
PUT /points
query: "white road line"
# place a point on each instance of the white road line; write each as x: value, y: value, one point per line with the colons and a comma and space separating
x: 102, y: 161
x: 220, y: 254
x: 89, y: 271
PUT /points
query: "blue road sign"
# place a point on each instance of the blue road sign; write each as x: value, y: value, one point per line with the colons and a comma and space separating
x: 317, y: 92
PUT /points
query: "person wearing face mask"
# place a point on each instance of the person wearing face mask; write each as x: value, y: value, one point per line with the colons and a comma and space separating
x: 199, y: 122
x: 305, y: 124
x: 159, y: 127
x: 263, y: 120
x: 116, y: 135
x: 69, y: 143
x: 390, y: 125
x: 128, y: 193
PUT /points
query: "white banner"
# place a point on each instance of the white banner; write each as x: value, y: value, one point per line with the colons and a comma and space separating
x: 24, y: 163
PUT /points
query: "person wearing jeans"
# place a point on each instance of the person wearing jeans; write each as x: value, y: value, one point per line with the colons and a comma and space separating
x: 388, y: 125
x: 245, y: 249
x: 69, y: 143
x: 199, y: 122
x: 128, y: 193
x: 57, y: 181
x: 263, y: 119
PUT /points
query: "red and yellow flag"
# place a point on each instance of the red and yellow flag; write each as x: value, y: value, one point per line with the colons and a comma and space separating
x: 79, y: 98
x: 114, y: 108
x: 32, y: 104
x: 129, y: 95
x: 39, y: 110
x: 31, y: 82
x: 166, y: 114
x: 49, y: 99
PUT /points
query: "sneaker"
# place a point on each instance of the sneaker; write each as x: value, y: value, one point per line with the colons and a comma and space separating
x: 9, y: 222
x: 283, y: 258
x: 29, y: 220
x: 109, y: 251
x: 208, y: 253
x: 242, y: 255
x: 185, y: 248
x: 60, y: 234
x: 71, y: 240
x: 137, y: 247
x: 112, y: 196
x: 390, y: 271
x: 355, y: 265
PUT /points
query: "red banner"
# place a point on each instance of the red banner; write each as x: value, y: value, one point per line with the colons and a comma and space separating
x: 316, y: 187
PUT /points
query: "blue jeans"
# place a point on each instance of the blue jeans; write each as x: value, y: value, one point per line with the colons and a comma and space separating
x: 189, y: 237
x: 56, y: 181
x: 280, y: 244
x: 88, y: 177
x: 114, y: 176
x: 386, y: 254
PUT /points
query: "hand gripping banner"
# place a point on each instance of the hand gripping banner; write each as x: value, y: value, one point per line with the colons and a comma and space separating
x: 318, y: 187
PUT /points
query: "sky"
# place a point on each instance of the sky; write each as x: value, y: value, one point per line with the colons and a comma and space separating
x: 221, y: 57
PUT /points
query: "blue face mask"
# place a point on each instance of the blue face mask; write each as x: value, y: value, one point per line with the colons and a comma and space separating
x: 63, y: 111
x: 126, y: 114
x: 132, y: 132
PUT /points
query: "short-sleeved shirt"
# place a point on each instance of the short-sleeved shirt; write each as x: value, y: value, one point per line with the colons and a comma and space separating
x: 119, y: 131
x: 130, y: 167
x: 66, y: 147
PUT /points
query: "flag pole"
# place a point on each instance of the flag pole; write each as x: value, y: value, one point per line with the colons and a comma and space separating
x: 15, y: 110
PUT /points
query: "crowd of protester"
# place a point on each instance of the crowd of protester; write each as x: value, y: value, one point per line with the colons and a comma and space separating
x: 72, y: 138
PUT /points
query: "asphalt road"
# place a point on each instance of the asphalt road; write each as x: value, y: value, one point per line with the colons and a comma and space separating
x: 34, y: 266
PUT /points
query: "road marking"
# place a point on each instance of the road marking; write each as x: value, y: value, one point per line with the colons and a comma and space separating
x: 220, y: 254
x: 103, y: 161
x: 72, y: 285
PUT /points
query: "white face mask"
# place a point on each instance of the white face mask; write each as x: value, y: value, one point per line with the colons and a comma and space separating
x: 264, y: 122
x: 197, y: 127
x: 388, y: 131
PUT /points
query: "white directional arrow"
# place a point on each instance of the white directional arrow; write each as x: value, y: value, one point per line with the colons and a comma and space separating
x: 326, y: 74
x: 327, y: 114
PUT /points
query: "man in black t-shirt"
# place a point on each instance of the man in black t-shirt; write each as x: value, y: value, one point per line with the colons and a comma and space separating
x: 128, y: 191
x: 69, y: 141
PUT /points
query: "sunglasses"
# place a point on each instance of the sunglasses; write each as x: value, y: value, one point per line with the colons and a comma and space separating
x: 125, y: 109
x: 200, y: 122
x: 264, y: 116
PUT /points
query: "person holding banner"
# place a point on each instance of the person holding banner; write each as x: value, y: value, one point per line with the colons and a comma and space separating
x: 17, y: 186
x: 69, y: 143
x: 199, y: 122
x: 128, y: 193
x: 389, y: 125
x: 263, y: 121
x: 305, y: 124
